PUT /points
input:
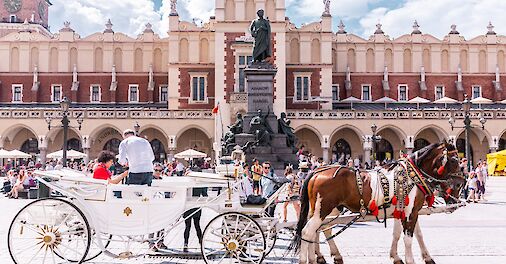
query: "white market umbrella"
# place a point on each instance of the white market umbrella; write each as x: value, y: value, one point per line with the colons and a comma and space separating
x: 4, y: 154
x: 190, y: 154
x: 446, y: 100
x: 71, y: 154
x: 351, y: 100
x: 481, y: 100
x: 386, y: 100
x: 418, y: 100
x: 16, y: 154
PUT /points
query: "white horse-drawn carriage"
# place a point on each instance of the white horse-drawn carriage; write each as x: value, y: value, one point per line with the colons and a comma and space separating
x: 92, y: 215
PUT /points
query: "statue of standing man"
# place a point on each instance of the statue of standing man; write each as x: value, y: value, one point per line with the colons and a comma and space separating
x: 261, y: 31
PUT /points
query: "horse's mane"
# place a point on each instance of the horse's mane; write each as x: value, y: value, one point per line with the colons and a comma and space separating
x: 419, y: 156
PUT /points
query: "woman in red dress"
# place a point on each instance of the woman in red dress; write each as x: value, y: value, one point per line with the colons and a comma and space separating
x: 102, y: 172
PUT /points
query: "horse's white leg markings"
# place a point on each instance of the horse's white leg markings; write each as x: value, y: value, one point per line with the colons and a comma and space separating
x: 309, y: 232
x: 409, y: 207
x: 423, y: 248
x: 408, y: 244
x: 395, y: 240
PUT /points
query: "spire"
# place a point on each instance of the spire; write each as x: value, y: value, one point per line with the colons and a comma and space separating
x: 453, y: 30
x: 490, y: 29
x: 173, y: 8
x: 108, y: 27
x: 416, y: 28
x: 148, y: 28
x: 378, y: 29
x: 341, y: 28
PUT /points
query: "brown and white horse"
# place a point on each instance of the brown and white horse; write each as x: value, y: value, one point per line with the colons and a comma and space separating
x: 406, y: 186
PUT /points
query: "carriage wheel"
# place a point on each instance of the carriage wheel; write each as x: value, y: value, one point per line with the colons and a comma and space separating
x: 47, y: 229
x: 270, y: 238
x: 95, y: 249
x: 234, y: 236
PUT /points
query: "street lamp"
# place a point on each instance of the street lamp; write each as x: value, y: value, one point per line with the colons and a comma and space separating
x: 466, y: 107
x: 65, y: 106
x: 375, y: 138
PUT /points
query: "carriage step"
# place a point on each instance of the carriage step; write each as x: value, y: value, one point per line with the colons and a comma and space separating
x: 193, y: 254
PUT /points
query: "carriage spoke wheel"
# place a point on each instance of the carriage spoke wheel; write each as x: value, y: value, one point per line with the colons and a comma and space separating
x: 233, y: 238
x: 48, y: 230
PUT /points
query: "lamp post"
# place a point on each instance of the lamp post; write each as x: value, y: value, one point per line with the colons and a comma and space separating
x: 466, y: 107
x: 375, y: 138
x: 65, y: 106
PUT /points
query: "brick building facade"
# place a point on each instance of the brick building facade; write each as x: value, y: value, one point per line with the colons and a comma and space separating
x: 169, y: 85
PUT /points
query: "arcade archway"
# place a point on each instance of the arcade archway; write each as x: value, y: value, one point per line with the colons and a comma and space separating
x: 107, y: 138
x: 194, y: 138
x: 346, y: 143
x: 479, y: 145
x: 310, y: 140
x: 158, y: 141
x: 391, y: 143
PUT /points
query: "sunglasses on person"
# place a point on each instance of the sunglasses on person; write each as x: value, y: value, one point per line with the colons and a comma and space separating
x: 158, y: 170
x: 267, y: 167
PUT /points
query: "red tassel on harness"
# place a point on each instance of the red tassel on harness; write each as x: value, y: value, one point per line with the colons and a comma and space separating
x: 406, y: 200
x: 373, y: 208
x: 394, y: 200
x: 430, y: 200
x: 397, y: 214
x: 403, y: 215
x: 441, y: 170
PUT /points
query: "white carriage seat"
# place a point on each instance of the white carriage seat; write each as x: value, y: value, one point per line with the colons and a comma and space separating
x: 270, y: 200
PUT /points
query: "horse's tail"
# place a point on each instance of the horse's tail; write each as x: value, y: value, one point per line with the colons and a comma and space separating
x: 304, y: 211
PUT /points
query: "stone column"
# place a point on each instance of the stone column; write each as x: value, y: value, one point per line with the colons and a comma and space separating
x: 86, y: 148
x: 495, y: 144
x: 43, y: 149
x: 367, y: 145
x: 172, y: 147
x: 325, y: 148
x: 492, y: 149
x: 87, y: 152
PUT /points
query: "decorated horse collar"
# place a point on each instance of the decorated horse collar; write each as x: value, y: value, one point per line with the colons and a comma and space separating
x: 415, y: 174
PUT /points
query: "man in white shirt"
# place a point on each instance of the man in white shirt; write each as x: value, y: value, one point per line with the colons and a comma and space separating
x: 136, y: 153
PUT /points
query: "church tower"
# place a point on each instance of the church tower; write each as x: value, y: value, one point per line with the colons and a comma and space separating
x: 14, y: 14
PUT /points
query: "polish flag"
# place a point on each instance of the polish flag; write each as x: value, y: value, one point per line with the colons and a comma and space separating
x: 215, y: 109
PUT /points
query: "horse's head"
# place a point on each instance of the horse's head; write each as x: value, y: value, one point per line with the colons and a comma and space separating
x: 440, y: 165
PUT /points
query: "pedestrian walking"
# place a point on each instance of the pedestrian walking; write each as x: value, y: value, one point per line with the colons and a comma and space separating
x: 136, y: 153
x: 472, y: 186
x: 292, y: 193
x: 256, y: 171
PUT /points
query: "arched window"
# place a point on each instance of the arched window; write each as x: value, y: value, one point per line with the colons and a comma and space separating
x: 270, y: 9
x: 500, y: 60
x: 183, y: 50
x: 112, y: 145
x: 384, y: 150
x: 351, y: 59
x: 407, y: 61
x: 230, y: 10
x: 427, y: 64
x: 118, y: 59
x: 99, y: 60
x: 53, y: 60
x: 315, y: 51
x: 73, y: 58
x: 389, y: 59
x: 74, y: 144
x: 138, y: 60
x: 295, y: 50
x: 250, y: 10
x: 369, y: 60
x: 30, y: 146
x: 445, y: 61
x: 14, y: 59
x: 342, y: 150
x: 420, y: 144
x: 158, y: 56
x: 482, y: 61
x: 158, y: 150
x: 204, y: 50
x: 34, y: 57
x: 463, y: 61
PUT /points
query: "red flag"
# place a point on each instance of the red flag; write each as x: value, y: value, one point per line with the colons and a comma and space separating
x: 215, y: 109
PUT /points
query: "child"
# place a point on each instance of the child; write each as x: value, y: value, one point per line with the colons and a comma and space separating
x: 472, y: 184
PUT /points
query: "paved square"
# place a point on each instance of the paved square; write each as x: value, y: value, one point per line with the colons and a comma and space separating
x: 474, y: 234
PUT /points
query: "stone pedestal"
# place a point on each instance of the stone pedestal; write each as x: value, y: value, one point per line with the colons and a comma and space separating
x: 260, y: 83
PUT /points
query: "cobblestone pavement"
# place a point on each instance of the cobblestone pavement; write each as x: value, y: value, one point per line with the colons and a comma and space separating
x: 474, y: 234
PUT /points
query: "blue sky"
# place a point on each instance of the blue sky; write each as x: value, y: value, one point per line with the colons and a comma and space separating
x: 360, y: 16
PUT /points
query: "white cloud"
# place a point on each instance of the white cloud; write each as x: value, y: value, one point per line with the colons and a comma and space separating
x: 90, y: 16
x: 436, y: 17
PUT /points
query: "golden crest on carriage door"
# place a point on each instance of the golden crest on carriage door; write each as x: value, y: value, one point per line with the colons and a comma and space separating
x: 127, y: 211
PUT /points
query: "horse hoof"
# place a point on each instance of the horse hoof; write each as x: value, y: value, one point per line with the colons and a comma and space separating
x: 321, y: 260
x: 338, y: 261
x: 399, y: 262
x: 430, y: 261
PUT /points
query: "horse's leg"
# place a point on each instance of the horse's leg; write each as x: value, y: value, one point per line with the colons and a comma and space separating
x: 319, y: 256
x: 425, y: 253
x: 309, y: 233
x: 395, y: 241
x: 334, y: 251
